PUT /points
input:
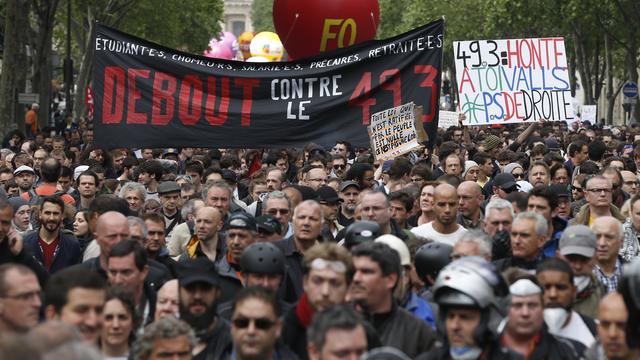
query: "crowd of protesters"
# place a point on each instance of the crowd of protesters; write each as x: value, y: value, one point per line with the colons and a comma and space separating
x: 501, y: 242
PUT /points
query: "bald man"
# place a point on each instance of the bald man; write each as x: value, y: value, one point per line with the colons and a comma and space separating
x: 609, y: 235
x: 111, y: 228
x: 205, y: 242
x: 469, y: 209
x: 612, y: 322
x: 444, y: 228
x: 167, y: 303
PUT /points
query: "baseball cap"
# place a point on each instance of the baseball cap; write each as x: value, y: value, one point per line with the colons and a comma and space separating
x: 241, y: 220
x: 345, y: 184
x: 166, y: 187
x: 79, y: 170
x: 505, y: 181
x: 326, y: 194
x: 23, y: 168
x: 268, y: 224
x: 198, y: 270
x: 578, y: 240
x: 169, y: 151
x: 559, y: 190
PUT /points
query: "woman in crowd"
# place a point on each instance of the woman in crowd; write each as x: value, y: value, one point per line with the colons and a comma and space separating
x: 118, y: 318
x: 81, y: 229
x: 21, y: 215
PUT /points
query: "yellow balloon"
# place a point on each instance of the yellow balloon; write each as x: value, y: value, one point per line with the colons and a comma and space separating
x: 244, y: 41
x: 268, y: 45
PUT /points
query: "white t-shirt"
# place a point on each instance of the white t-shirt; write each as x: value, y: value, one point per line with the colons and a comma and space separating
x: 427, y: 231
x: 576, y: 330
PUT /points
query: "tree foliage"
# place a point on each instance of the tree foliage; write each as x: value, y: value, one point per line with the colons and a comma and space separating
x: 262, y: 15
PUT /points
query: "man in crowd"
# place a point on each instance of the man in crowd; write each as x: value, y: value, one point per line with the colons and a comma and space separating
x: 349, y: 191
x: 25, y: 178
x: 578, y: 248
x: 444, y: 228
x: 337, y: 332
x: 76, y: 297
x: 278, y: 205
x: 613, y: 317
x: 598, y: 195
x: 376, y: 207
x: 240, y: 233
x: 206, y: 240
x: 169, y: 193
x: 529, y: 233
x: 377, y: 273
x: 327, y: 274
x: 87, y: 188
x: 469, y: 205
x: 20, y: 298
x: 166, y: 338
x: 150, y: 175
x: 608, y: 267
x: 135, y: 194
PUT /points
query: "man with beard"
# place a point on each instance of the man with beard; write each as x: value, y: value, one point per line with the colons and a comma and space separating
x: 54, y: 249
x: 349, y: 191
x: 25, y: 177
x: 555, y: 277
x: 255, y: 327
x: 328, y: 269
x: 613, y: 317
x: 199, y: 291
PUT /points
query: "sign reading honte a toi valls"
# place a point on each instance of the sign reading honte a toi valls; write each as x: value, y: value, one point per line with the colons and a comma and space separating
x: 147, y: 95
x: 511, y: 81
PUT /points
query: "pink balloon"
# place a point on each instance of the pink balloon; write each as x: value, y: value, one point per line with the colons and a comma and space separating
x: 229, y: 39
x: 219, y: 51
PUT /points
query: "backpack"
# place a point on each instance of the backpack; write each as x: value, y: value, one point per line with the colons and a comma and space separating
x: 35, y: 203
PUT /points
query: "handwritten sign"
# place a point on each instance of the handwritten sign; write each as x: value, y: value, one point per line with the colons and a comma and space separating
x: 512, y: 81
x: 589, y: 113
x: 393, y: 131
x: 448, y: 119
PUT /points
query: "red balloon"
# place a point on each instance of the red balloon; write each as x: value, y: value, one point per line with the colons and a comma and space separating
x: 310, y: 27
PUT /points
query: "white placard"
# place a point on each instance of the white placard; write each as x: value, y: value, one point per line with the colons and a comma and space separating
x: 447, y: 119
x: 513, y: 81
x: 589, y: 113
x: 392, y: 132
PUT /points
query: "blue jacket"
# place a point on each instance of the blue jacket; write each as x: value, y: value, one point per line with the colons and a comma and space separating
x: 67, y: 254
x: 421, y: 309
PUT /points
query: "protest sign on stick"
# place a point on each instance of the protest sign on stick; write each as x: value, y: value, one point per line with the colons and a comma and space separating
x: 394, y: 131
x: 448, y: 119
x: 513, y: 81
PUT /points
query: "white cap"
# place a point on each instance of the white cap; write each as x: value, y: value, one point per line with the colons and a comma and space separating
x: 524, y: 287
x: 23, y: 168
x: 398, y: 245
x: 79, y: 170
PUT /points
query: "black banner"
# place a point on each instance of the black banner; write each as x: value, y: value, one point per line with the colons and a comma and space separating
x: 147, y: 95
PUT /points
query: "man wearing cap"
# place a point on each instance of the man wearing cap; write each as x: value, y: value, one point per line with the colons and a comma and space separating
x: 269, y: 229
x: 608, y: 268
x: 563, y: 210
x: 169, y: 193
x: 503, y: 185
x: 525, y: 331
x: 349, y: 191
x: 470, y: 199
x: 240, y: 231
x: 578, y: 248
x: 25, y: 178
x: 328, y: 269
x: 330, y: 202
x: 199, y: 291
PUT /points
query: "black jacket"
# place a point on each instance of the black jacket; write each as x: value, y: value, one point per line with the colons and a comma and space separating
x: 403, y: 331
x: 496, y: 352
x: 25, y: 258
x: 281, y: 352
x: 294, y: 334
x: 68, y: 253
x: 218, y: 339
x: 230, y: 283
x: 157, y: 276
x: 292, y: 281
x: 552, y: 347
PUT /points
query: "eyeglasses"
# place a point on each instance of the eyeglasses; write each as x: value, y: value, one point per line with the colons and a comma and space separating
x: 576, y: 188
x: 518, y: 175
x: 338, y: 166
x: 599, y: 191
x: 260, y: 323
x: 278, y: 211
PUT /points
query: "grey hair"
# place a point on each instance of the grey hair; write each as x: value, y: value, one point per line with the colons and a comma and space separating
x: 75, y: 350
x: 136, y: 221
x: 131, y: 185
x: 217, y: 184
x: 482, y: 240
x: 166, y: 328
x: 499, y: 204
x: 542, y: 228
x: 311, y: 203
x: 189, y: 208
x: 276, y: 195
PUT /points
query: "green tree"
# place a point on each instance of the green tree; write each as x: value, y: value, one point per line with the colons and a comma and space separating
x: 262, y: 15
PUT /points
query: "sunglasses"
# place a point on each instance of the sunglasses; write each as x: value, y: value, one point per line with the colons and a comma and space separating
x: 276, y: 211
x: 338, y: 166
x: 518, y: 176
x: 260, y: 323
